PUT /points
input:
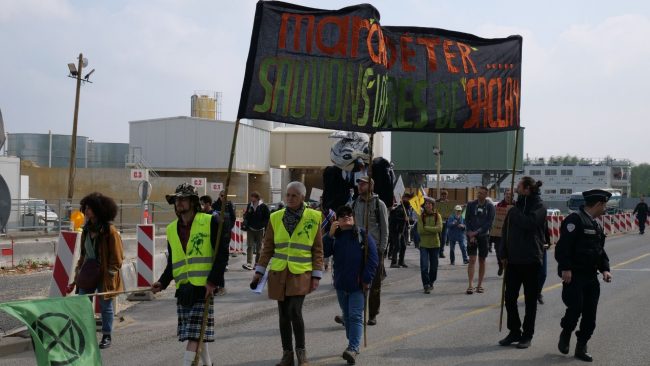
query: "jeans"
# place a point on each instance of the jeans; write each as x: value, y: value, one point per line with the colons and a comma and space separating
x: 429, y: 265
x: 642, y: 220
x: 516, y: 275
x: 463, y: 249
x: 399, y: 248
x: 106, y: 307
x: 374, y: 297
x: 254, y: 245
x: 443, y: 240
x: 541, y: 277
x: 351, y: 304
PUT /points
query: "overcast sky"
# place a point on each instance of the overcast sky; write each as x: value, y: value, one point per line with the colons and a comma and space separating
x: 585, y: 79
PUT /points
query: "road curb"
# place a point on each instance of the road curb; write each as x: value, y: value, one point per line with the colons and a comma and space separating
x: 13, y: 345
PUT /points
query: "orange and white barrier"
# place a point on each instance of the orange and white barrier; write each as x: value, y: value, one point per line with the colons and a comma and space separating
x: 554, y: 223
x: 145, y: 264
x: 237, y: 238
x: 629, y: 222
x: 64, y: 262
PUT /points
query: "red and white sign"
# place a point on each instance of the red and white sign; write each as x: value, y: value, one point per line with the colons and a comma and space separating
x: 216, y: 186
x: 145, y: 263
x: 139, y: 174
x: 64, y: 263
x: 198, y: 182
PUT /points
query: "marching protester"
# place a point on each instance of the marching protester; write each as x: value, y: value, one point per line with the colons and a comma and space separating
x: 443, y: 235
x: 295, y: 270
x: 353, y: 273
x: 580, y: 254
x: 378, y: 229
x: 429, y: 227
x: 401, y: 219
x: 641, y: 212
x: 229, y: 218
x: 191, y: 263
x: 328, y: 216
x: 206, y: 204
x: 98, y: 267
x: 478, y: 220
x: 456, y: 234
x: 505, y: 202
x: 256, y: 218
x: 521, y: 253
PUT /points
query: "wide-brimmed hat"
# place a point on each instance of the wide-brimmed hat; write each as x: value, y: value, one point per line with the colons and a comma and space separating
x: 183, y: 190
x: 458, y: 208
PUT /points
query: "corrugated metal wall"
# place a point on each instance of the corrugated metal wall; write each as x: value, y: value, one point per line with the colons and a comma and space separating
x: 193, y: 143
x: 462, y: 153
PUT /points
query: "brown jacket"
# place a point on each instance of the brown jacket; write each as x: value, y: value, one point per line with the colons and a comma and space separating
x: 111, y: 255
x: 285, y: 283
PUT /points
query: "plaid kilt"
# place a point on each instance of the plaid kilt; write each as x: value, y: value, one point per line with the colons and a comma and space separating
x: 190, y: 319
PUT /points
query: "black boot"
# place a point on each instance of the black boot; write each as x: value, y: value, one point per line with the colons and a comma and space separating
x: 287, y: 359
x: 565, y: 341
x: 510, y: 339
x: 105, y: 342
x: 582, y: 353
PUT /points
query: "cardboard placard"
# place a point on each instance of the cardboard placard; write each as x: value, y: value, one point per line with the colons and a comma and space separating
x: 445, y: 209
x: 499, y: 218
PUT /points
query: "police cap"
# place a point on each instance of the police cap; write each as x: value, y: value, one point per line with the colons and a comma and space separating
x: 596, y: 195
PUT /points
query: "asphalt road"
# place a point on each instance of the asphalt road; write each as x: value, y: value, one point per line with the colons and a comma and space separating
x: 444, y: 328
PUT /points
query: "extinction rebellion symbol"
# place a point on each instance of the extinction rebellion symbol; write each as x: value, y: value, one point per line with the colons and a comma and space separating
x: 61, y: 337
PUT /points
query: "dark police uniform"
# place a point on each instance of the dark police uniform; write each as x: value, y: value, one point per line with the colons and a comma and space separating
x: 581, y: 250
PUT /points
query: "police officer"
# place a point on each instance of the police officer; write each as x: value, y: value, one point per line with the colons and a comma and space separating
x: 580, y: 253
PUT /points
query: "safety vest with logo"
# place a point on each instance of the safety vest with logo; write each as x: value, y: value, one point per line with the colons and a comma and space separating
x: 294, y: 251
x: 192, y: 265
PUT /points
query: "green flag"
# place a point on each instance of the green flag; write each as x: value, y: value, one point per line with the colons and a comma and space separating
x: 62, y: 328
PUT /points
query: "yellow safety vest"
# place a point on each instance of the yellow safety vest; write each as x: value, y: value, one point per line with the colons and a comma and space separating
x: 295, y: 250
x: 194, y: 265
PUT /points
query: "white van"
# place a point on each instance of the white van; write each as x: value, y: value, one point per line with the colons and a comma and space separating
x: 613, y: 205
x: 42, y: 213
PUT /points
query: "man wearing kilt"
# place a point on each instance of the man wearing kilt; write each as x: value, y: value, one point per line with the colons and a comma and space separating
x: 191, y: 240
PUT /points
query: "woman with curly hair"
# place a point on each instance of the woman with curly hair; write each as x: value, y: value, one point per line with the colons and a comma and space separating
x: 98, y: 268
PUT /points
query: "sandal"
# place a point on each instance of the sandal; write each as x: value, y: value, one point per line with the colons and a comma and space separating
x: 470, y: 290
x: 480, y: 290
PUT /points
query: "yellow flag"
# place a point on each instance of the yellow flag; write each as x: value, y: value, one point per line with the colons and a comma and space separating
x: 417, y: 201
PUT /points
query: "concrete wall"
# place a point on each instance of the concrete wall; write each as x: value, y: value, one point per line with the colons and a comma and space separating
x: 52, y: 184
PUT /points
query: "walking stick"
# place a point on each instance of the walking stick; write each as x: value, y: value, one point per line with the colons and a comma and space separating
x: 206, y: 307
x: 512, y: 192
x: 366, y: 215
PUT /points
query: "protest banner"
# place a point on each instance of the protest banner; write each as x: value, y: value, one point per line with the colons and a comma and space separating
x: 342, y: 70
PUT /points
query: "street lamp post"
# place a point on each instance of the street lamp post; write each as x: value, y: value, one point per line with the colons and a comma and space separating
x: 437, y: 152
x: 75, y: 72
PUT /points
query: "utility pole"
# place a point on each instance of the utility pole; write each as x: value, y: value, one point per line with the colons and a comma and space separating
x: 73, y: 143
x: 437, y: 152
x: 75, y: 73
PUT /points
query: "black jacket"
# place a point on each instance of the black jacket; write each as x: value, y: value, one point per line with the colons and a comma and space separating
x: 581, y: 248
x: 256, y: 219
x: 523, y: 234
x: 641, y: 209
